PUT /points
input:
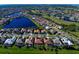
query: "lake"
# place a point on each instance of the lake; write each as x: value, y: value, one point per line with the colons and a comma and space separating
x: 21, y: 22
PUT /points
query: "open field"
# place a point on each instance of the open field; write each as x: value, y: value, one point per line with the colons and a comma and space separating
x: 15, y: 50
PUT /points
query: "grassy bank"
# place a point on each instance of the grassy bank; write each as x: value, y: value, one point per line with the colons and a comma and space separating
x: 24, y: 50
x: 38, y: 25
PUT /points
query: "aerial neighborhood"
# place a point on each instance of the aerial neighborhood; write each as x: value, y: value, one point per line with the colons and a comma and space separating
x: 39, y: 28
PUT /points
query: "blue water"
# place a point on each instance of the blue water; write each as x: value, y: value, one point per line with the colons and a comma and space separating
x: 21, y: 22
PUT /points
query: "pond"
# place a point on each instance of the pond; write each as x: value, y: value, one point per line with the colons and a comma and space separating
x: 21, y: 22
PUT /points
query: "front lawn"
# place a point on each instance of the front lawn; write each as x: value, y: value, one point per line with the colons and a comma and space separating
x: 24, y: 50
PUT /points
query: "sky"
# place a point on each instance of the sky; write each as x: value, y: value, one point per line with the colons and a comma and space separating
x: 39, y: 2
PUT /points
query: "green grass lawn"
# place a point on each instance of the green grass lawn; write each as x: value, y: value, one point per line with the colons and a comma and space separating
x: 38, y: 25
x: 75, y: 34
x: 15, y: 50
x: 59, y: 21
